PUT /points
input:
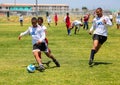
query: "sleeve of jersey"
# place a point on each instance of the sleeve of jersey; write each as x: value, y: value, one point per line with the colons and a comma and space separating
x: 26, y: 32
x: 93, y: 26
x: 109, y: 23
x: 42, y: 38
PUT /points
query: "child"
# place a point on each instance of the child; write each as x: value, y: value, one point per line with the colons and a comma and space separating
x: 48, y: 53
x: 21, y: 20
x: 118, y: 20
x: 56, y: 19
x: 67, y: 22
x: 77, y: 25
x: 38, y: 41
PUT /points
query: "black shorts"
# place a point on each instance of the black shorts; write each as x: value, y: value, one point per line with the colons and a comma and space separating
x: 100, y: 38
x: 40, y: 47
x: 21, y: 21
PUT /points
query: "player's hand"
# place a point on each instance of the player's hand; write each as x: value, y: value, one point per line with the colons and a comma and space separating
x: 81, y: 24
x: 19, y: 37
x: 38, y: 42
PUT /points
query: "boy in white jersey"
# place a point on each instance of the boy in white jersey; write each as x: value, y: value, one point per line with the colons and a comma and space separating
x: 100, y: 32
x: 38, y: 41
x: 77, y: 24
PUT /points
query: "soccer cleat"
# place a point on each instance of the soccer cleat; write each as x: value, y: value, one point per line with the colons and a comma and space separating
x: 41, y: 67
x: 56, y: 63
x: 90, y: 62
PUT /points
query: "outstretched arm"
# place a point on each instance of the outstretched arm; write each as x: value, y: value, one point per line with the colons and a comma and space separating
x: 24, y: 33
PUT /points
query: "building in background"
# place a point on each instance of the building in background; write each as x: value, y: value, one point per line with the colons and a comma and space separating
x: 31, y: 8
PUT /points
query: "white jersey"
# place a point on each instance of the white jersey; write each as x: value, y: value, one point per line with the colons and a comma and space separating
x: 37, y: 34
x: 20, y: 18
x: 64, y: 19
x: 48, y: 19
x: 99, y: 26
x: 76, y: 22
x: 110, y: 16
x: 42, y: 27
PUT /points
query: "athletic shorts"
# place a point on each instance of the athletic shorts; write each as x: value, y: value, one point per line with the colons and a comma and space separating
x: 100, y: 38
x: 40, y: 47
x: 21, y: 20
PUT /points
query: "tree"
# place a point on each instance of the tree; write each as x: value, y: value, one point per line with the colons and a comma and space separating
x: 84, y: 9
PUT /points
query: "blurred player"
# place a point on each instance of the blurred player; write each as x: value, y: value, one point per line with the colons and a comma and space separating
x: 100, y: 32
x: 67, y: 22
x: 76, y: 24
x: 118, y: 20
x: 85, y: 20
x: 56, y: 18
x: 21, y: 20
x: 48, y: 19
x: 111, y: 17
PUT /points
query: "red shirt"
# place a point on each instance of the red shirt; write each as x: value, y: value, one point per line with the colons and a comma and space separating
x: 86, y: 17
x: 67, y: 20
x: 56, y: 18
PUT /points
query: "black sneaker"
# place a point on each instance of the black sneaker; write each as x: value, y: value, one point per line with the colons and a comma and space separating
x: 56, y: 63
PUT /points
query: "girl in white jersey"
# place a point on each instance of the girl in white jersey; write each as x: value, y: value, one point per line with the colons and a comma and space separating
x: 99, y: 26
x: 48, y: 53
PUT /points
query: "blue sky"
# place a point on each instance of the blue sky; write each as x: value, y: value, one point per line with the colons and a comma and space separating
x: 90, y: 4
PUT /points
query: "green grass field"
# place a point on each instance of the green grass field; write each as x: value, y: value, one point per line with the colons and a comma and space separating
x: 71, y: 51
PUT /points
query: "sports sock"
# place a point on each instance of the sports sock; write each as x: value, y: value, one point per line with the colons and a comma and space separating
x: 92, y: 54
x: 69, y: 31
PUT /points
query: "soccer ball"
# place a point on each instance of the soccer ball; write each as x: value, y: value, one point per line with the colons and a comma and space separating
x: 31, y: 68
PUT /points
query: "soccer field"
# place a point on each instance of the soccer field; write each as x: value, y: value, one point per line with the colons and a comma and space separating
x: 71, y: 51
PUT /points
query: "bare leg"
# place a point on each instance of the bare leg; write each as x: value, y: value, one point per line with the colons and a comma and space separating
x: 96, y: 45
x: 48, y: 54
x: 37, y: 56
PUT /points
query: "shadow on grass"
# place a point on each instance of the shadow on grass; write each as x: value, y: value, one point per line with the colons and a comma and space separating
x: 46, y: 65
x: 99, y: 63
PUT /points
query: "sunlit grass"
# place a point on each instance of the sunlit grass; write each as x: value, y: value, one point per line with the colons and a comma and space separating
x: 71, y: 51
